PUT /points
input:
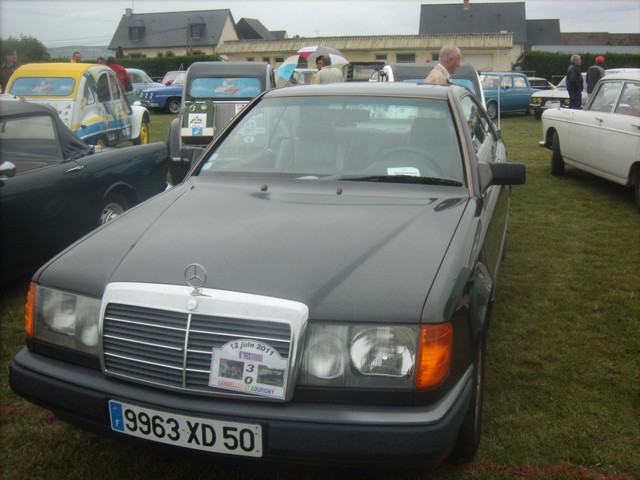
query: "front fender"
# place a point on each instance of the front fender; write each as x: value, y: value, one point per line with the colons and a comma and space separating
x: 139, y: 114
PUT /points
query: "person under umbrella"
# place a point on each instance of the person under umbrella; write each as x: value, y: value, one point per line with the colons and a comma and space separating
x: 328, y: 73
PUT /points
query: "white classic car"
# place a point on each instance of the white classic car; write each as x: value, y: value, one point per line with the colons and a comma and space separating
x: 604, y: 138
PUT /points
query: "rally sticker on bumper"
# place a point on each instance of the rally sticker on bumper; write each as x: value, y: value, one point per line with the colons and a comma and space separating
x: 249, y: 366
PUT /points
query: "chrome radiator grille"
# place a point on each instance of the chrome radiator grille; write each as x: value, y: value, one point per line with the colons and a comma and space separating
x: 174, y: 349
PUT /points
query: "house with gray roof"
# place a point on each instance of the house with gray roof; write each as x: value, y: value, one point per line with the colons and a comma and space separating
x: 198, y: 32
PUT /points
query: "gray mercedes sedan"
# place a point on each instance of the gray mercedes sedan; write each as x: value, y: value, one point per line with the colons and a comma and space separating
x: 316, y: 290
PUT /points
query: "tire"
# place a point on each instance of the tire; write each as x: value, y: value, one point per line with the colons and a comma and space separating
x: 102, y: 142
x: 143, y: 138
x: 173, y: 106
x: 113, y: 205
x: 468, y: 439
x: 537, y: 114
x: 636, y: 189
x: 557, y: 163
x: 492, y: 110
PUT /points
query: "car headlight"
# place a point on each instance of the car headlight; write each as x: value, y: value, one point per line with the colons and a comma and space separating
x: 376, y: 356
x: 63, y: 318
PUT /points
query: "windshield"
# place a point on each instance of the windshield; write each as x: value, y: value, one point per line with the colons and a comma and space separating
x: 224, y: 88
x: 344, y: 138
x: 43, y: 86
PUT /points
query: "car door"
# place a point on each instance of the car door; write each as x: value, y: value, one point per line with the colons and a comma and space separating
x: 506, y: 93
x: 599, y: 140
x: 39, y: 206
x: 495, y: 199
x: 113, y: 109
x: 521, y: 93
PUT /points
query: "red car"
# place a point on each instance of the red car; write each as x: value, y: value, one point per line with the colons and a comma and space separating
x: 170, y: 76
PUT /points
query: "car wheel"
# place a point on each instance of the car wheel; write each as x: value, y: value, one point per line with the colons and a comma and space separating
x: 537, y: 114
x: 468, y: 439
x: 557, y: 163
x: 492, y: 110
x: 143, y: 138
x: 102, y: 142
x: 636, y: 188
x: 173, y: 106
x: 112, y: 206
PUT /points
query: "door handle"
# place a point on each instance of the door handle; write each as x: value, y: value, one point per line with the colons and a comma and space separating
x: 77, y: 168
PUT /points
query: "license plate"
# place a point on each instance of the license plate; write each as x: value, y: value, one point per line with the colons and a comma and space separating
x: 216, y: 436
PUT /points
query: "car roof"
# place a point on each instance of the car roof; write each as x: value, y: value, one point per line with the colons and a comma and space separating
x: 53, y: 69
x: 217, y: 69
x: 18, y: 107
x: 627, y: 75
x: 391, y: 89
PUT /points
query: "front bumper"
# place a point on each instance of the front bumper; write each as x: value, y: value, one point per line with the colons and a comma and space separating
x: 414, y: 436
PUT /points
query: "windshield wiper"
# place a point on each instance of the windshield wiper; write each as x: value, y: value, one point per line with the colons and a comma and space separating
x: 397, y: 179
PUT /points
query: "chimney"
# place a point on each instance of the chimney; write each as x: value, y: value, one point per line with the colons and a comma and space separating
x: 128, y: 12
x: 466, y: 4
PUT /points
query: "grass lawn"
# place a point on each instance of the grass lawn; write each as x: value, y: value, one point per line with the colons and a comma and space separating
x: 563, y: 360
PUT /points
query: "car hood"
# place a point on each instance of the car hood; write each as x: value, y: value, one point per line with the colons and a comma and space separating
x: 164, y: 89
x: 370, y: 250
x: 555, y: 93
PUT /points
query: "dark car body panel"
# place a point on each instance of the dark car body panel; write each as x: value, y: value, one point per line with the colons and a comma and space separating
x: 49, y: 204
x: 390, y: 254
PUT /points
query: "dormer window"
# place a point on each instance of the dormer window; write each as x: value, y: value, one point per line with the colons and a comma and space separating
x: 136, y: 32
x: 196, y: 27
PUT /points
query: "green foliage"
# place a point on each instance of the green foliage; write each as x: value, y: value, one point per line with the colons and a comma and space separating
x: 548, y: 64
x: 119, y: 53
x: 29, y: 49
x: 158, y: 66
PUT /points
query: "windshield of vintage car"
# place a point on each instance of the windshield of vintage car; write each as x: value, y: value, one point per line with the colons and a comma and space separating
x: 43, y: 86
x: 224, y: 87
x: 345, y: 138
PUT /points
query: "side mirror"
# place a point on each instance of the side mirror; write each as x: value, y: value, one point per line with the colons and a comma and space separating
x: 179, y: 168
x: 503, y: 173
x: 7, y: 170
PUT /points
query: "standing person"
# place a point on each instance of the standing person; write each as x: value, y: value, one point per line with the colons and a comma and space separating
x: 9, y: 65
x: 123, y: 76
x: 595, y: 73
x: 319, y: 67
x: 101, y: 61
x: 329, y: 73
x: 575, y: 83
x: 76, y: 58
x: 449, y: 61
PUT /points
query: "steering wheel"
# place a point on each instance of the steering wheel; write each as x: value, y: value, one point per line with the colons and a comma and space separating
x: 433, y: 163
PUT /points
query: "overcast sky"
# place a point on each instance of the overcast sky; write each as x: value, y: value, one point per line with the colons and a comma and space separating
x: 58, y: 23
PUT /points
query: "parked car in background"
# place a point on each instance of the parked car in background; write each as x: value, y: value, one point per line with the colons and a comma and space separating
x: 555, y: 97
x: 165, y: 98
x: 329, y: 300
x: 465, y: 75
x: 140, y: 81
x: 303, y: 75
x: 88, y: 98
x: 604, y: 138
x: 170, y: 77
x: 214, y: 93
x: 54, y: 188
x: 506, y: 92
x: 541, y: 83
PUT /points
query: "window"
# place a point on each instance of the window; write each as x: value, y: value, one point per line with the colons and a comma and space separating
x: 506, y: 82
x: 227, y: 88
x: 104, y: 88
x: 135, y: 33
x: 406, y: 57
x: 629, y: 103
x: 31, y: 142
x: 43, y: 86
x: 606, y: 96
x: 381, y: 57
x: 479, y: 129
x: 195, y: 30
x: 519, y: 82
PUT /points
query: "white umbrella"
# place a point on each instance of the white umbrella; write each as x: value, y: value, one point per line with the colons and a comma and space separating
x: 311, y: 53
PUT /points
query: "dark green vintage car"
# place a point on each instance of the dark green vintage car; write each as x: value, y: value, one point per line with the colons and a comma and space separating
x: 54, y: 188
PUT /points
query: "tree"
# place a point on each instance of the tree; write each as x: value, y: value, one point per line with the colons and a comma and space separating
x: 30, y: 49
